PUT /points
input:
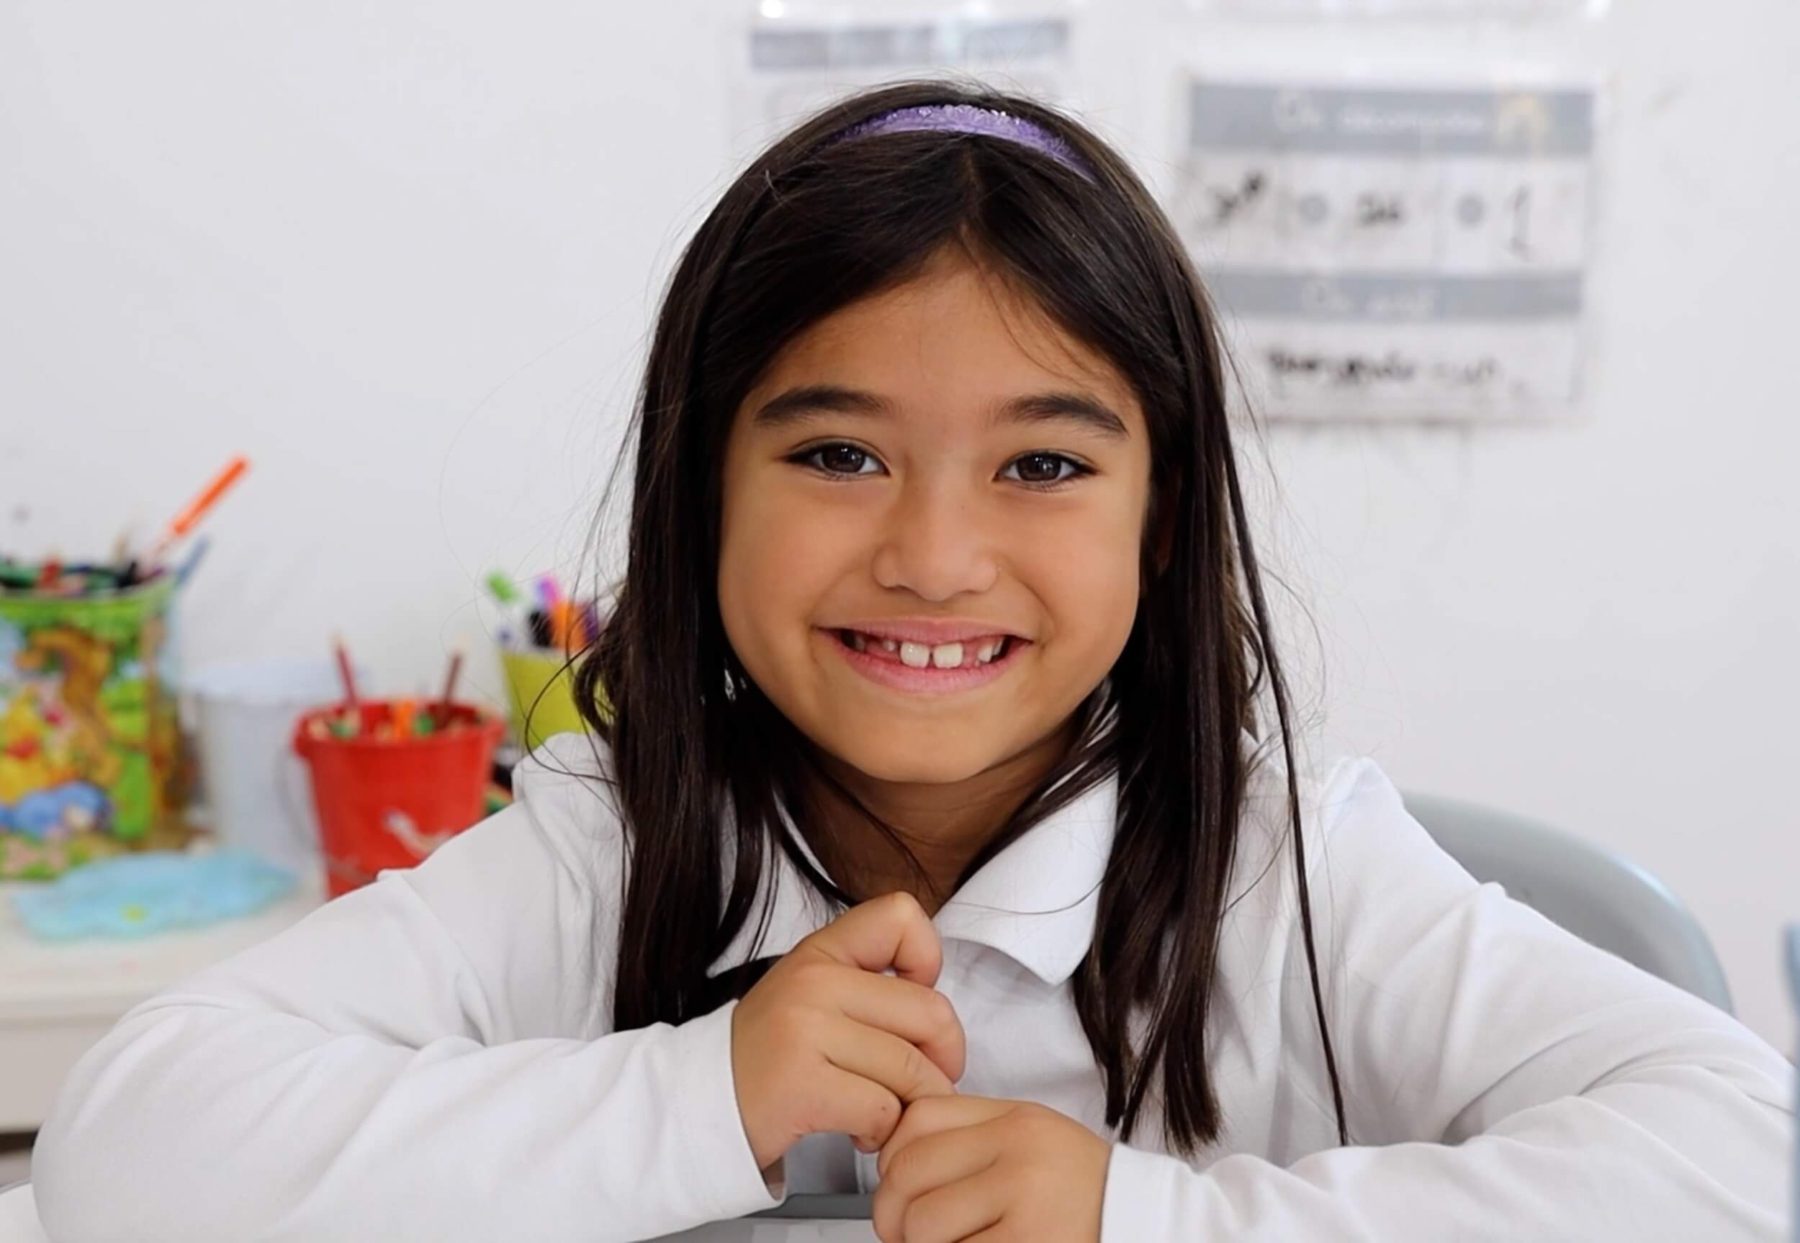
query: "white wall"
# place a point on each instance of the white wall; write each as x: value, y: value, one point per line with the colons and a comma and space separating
x: 404, y: 256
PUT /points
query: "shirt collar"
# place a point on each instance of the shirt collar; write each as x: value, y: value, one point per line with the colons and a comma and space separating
x: 1035, y: 901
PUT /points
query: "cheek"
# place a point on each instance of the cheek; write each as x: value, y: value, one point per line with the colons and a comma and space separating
x: 1086, y: 575
x: 1093, y: 599
x: 777, y: 557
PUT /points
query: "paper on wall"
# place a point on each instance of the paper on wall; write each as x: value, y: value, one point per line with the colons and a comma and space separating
x: 797, y: 55
x: 1393, y: 251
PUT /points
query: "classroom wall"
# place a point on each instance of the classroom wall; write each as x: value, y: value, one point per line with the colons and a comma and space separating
x: 404, y: 256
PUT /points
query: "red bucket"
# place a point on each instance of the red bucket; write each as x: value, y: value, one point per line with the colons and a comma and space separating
x: 388, y: 802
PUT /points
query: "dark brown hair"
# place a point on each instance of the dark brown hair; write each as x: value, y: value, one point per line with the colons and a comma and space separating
x: 806, y: 229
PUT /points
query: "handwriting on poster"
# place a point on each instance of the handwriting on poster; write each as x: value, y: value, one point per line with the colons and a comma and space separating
x: 1386, y: 252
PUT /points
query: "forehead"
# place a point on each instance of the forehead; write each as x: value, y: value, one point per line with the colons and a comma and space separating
x: 957, y: 334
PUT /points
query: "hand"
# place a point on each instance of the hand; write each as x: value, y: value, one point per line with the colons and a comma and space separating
x: 825, y: 1042
x: 991, y: 1171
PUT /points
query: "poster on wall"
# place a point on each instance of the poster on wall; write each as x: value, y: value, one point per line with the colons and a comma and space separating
x: 1382, y: 252
x: 1515, y: 10
x: 794, y: 56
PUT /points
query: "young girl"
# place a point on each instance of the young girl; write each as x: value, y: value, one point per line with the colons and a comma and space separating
x: 943, y: 836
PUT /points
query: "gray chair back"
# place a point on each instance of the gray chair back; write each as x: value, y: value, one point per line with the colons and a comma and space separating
x: 1601, y: 897
x: 1792, y: 939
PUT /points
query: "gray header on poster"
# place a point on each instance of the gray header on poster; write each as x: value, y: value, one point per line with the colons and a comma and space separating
x: 923, y: 43
x: 1385, y: 121
x: 1364, y: 298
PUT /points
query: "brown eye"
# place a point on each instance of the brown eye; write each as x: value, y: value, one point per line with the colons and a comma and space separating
x: 1044, y: 468
x: 840, y: 459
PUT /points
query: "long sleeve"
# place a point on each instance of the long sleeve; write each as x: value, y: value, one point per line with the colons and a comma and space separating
x: 1503, y: 1080
x: 425, y: 1058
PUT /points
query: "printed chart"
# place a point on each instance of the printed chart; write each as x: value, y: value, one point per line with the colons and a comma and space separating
x: 1394, y: 252
x: 806, y: 58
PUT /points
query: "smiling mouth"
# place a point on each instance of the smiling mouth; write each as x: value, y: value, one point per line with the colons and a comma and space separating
x: 967, y: 654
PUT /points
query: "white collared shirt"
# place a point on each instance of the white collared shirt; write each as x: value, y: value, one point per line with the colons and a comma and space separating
x: 431, y: 1057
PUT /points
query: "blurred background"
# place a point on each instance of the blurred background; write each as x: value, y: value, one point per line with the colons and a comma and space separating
x: 1539, y: 546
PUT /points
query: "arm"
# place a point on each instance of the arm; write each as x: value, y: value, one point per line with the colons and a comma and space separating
x: 1502, y: 1079
x: 427, y: 1057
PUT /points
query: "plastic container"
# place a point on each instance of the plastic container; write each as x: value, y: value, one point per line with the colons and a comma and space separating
x: 255, y: 785
x: 89, y: 739
x: 390, y: 802
x: 539, y: 685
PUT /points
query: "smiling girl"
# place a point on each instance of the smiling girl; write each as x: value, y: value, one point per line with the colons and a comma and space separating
x: 945, y: 838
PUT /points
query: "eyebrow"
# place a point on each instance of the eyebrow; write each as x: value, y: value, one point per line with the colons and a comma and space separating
x: 805, y: 401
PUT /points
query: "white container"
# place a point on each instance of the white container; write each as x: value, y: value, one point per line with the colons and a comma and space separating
x: 255, y: 785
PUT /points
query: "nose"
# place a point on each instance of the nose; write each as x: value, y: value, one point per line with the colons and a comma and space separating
x: 934, y: 544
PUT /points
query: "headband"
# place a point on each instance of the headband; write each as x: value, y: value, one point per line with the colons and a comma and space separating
x: 968, y: 119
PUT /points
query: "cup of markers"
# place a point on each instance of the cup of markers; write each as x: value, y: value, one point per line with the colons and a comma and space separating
x: 90, y: 744
x: 393, y: 779
x: 541, y: 642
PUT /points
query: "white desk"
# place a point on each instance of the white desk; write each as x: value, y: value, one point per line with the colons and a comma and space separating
x: 19, y: 1224
x: 58, y: 998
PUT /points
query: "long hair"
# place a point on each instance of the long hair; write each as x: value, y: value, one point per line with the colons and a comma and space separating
x: 810, y: 227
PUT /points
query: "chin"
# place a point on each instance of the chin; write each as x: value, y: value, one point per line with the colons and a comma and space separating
x: 913, y: 760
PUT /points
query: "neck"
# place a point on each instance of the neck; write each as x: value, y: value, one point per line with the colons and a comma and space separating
x: 943, y: 825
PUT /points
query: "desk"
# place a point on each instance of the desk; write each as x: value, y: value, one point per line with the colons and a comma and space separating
x: 19, y: 1224
x: 58, y: 998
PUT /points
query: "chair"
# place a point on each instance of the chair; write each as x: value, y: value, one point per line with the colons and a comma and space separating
x: 1791, y: 938
x: 1602, y: 898
x: 18, y: 1215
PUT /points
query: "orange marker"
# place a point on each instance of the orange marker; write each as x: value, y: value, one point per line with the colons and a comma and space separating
x: 403, y: 718
x: 197, y: 508
x: 561, y: 623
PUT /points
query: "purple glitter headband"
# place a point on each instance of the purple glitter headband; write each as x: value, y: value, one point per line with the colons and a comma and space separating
x: 968, y: 119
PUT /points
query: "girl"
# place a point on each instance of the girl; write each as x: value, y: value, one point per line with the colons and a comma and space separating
x: 944, y: 837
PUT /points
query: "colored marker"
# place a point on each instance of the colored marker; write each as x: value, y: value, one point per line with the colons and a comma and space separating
x: 193, y: 559
x: 502, y: 588
x: 560, y: 619
x: 198, y: 507
x: 512, y: 604
x: 548, y: 592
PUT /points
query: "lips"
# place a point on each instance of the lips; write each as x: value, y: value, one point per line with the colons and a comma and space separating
x: 943, y: 658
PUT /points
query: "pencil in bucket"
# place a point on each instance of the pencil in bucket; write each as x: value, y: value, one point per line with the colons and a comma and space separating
x: 393, y: 779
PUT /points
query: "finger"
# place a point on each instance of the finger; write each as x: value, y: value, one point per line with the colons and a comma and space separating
x: 851, y: 1104
x: 961, y: 1152
x: 944, y: 1213
x: 914, y: 1012
x: 900, y: 1067
x: 889, y: 931
x: 932, y: 1115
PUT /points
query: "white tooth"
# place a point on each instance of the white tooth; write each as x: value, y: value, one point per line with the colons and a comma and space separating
x: 947, y: 655
x: 916, y: 655
x: 889, y: 645
x: 985, y: 652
